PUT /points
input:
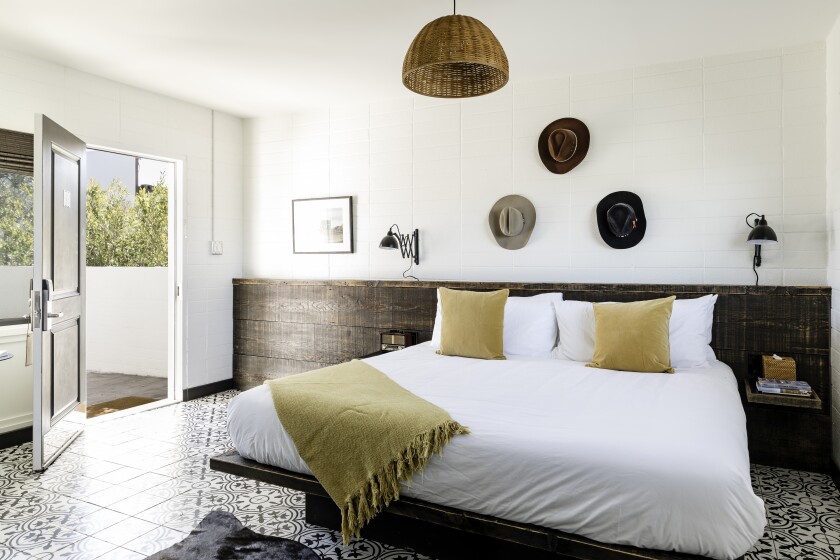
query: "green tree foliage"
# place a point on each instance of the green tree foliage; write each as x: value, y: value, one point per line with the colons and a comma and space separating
x: 16, y: 219
x: 123, y: 234
x: 118, y: 233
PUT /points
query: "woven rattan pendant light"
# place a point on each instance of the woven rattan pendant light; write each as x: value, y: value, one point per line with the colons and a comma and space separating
x: 455, y: 56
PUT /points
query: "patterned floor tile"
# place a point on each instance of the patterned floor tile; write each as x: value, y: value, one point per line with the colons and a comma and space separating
x: 137, y: 503
x: 8, y: 553
x: 37, y: 541
x: 97, y: 521
x: 155, y: 540
x: 121, y: 475
x: 125, y: 531
x: 146, y: 481
x: 88, y: 548
x: 790, y: 547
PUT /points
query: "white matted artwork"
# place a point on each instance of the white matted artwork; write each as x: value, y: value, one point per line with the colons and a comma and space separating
x: 322, y: 225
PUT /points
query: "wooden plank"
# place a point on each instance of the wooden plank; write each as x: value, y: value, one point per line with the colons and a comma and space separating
x: 294, y: 341
x: 789, y: 437
x: 251, y: 371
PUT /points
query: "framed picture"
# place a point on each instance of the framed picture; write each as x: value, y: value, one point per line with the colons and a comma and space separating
x: 322, y: 225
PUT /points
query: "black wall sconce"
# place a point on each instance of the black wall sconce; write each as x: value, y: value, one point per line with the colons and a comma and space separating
x: 760, y: 234
x: 409, y: 245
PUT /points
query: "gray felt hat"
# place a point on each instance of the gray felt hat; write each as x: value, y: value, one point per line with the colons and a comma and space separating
x: 512, y: 220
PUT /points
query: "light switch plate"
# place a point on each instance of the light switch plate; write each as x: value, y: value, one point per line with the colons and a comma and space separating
x: 215, y: 247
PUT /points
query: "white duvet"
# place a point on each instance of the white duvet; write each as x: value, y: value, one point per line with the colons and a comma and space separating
x: 650, y: 460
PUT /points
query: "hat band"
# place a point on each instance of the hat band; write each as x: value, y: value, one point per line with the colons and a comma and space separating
x: 621, y: 219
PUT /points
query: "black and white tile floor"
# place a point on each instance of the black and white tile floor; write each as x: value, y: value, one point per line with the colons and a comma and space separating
x: 135, y: 485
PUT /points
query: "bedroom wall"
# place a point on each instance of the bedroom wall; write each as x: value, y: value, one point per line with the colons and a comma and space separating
x: 833, y: 214
x: 703, y: 142
x: 115, y: 115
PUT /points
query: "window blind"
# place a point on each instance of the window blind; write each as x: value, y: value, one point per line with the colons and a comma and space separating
x: 16, y: 151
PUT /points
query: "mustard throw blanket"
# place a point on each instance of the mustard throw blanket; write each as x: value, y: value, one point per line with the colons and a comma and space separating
x: 360, y: 434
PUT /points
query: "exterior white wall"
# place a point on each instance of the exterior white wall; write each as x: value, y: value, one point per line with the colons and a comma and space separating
x: 127, y: 320
x: 833, y: 214
x: 14, y: 291
x: 16, y: 396
x: 107, y: 113
x: 703, y: 142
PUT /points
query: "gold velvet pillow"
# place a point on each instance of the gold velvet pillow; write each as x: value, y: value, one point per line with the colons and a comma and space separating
x: 633, y: 336
x: 472, y: 323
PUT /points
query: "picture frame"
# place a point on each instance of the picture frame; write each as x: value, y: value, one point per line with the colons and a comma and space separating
x: 322, y: 225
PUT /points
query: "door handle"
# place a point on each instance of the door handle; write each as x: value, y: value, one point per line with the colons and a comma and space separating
x: 47, y: 305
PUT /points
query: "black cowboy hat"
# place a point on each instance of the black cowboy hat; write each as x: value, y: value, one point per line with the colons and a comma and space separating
x: 621, y: 219
x: 563, y: 144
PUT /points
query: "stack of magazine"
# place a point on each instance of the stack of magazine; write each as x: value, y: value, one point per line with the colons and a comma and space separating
x: 783, y: 387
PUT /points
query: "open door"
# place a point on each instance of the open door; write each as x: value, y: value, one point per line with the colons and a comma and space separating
x: 58, y: 292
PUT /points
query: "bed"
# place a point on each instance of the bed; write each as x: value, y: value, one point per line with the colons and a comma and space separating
x: 635, y: 459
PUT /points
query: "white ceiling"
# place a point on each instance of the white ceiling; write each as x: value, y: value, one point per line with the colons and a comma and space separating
x: 261, y: 57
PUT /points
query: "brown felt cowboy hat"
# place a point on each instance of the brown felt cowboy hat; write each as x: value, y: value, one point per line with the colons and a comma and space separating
x: 512, y: 221
x: 621, y: 219
x: 563, y: 144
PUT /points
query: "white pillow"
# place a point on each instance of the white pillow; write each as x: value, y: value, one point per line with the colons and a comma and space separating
x: 530, y: 325
x: 576, y: 324
x: 690, y: 331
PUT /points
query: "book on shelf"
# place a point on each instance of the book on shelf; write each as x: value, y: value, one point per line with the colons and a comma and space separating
x: 783, y: 387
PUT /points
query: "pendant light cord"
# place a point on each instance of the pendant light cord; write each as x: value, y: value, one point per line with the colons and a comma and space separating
x: 453, y: 7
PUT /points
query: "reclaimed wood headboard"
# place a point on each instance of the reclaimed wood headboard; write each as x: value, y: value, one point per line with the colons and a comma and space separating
x: 283, y: 327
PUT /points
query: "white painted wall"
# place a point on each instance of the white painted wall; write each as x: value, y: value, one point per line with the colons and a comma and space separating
x: 703, y: 142
x: 108, y: 113
x: 127, y: 314
x: 833, y: 214
x: 14, y: 291
x: 16, y: 396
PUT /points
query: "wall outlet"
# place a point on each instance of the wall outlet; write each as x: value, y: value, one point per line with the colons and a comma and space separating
x: 215, y: 247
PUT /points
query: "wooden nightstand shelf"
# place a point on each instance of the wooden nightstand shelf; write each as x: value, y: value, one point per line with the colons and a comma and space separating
x: 786, y: 431
x: 813, y: 402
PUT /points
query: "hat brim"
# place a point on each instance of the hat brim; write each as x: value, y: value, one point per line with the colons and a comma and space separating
x: 638, y: 233
x: 582, y: 132
x: 528, y: 212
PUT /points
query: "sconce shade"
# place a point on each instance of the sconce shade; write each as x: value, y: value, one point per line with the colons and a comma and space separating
x: 390, y: 241
x: 761, y: 233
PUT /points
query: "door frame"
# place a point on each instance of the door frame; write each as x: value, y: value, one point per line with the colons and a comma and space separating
x: 175, y: 280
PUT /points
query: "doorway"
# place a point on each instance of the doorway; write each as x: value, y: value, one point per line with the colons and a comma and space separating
x: 131, y: 272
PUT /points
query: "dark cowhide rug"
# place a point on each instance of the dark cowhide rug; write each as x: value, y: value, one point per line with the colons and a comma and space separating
x: 220, y: 536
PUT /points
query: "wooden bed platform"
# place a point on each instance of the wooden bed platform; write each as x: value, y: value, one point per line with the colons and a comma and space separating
x: 442, y: 532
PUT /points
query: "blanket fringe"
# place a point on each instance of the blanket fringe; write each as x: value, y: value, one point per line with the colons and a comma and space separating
x: 384, y: 486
